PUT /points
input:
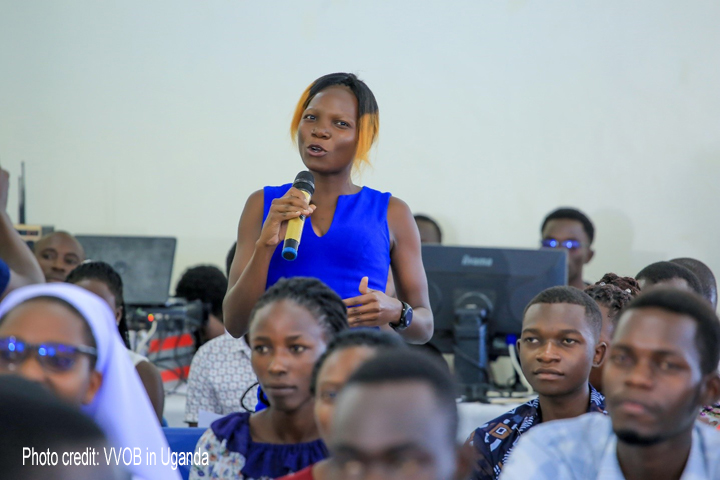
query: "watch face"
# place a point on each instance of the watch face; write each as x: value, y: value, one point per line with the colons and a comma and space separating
x: 408, y: 316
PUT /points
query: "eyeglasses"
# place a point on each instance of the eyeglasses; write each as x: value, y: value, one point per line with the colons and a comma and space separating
x: 56, y: 357
x: 569, y: 244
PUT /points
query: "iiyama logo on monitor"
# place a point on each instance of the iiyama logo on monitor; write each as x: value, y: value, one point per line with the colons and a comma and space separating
x: 468, y: 261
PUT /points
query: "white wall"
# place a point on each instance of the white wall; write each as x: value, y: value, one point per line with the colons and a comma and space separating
x: 159, y: 118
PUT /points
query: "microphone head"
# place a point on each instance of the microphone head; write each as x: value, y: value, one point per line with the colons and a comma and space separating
x: 305, y: 181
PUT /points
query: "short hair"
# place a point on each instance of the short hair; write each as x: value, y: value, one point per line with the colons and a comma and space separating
x: 105, y: 273
x: 704, y: 274
x: 229, y: 259
x: 707, y: 336
x: 396, y: 366
x: 424, y: 218
x: 362, y: 337
x: 310, y: 293
x: 31, y: 416
x: 205, y: 283
x: 571, y: 214
x: 368, y: 121
x: 661, y: 271
x: 572, y: 296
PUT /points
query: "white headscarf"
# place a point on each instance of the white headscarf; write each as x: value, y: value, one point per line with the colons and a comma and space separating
x: 121, y: 407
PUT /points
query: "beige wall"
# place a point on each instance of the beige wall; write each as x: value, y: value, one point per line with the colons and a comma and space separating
x: 159, y: 118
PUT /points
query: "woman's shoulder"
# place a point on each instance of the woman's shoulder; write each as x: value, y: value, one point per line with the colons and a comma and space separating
x: 398, y: 210
x: 231, y: 425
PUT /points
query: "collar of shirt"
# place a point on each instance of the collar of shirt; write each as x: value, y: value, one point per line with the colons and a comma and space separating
x: 238, y: 344
x: 695, y: 468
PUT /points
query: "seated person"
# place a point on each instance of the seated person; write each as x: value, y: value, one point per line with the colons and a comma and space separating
x: 430, y: 232
x: 220, y: 377
x: 571, y: 229
x: 18, y: 266
x: 58, y: 253
x: 397, y: 415
x: 558, y: 347
x: 65, y: 338
x: 612, y: 294
x: 33, y: 418
x: 344, y: 355
x: 670, y: 275
x: 662, y: 367
x: 705, y: 275
x: 290, y: 327
x: 102, y: 280
x: 207, y: 284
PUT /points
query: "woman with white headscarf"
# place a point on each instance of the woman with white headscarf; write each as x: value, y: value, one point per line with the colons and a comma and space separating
x: 78, y: 354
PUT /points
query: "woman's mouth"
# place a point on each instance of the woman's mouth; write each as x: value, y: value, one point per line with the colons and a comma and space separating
x: 316, y: 150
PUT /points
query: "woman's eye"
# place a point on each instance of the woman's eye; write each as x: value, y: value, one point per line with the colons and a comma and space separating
x: 261, y: 348
x: 329, y: 396
x: 309, y: 117
x: 298, y: 348
x: 669, y: 366
x: 343, y: 124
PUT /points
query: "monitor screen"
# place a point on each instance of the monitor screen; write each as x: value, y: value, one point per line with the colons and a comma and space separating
x: 144, y: 263
x: 506, y: 279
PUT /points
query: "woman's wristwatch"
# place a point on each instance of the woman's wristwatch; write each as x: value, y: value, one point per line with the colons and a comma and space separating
x: 405, y: 318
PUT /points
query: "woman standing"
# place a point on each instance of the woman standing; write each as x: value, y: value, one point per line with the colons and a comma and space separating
x: 352, y: 236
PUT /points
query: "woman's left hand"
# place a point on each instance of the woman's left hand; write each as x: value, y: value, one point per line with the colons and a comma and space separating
x: 372, y: 308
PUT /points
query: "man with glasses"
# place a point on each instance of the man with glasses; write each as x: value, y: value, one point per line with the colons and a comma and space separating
x: 572, y: 230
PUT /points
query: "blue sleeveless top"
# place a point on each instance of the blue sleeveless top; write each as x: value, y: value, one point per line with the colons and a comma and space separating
x: 356, y: 245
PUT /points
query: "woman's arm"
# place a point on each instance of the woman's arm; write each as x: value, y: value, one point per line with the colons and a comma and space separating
x: 375, y: 308
x: 255, y: 246
x: 152, y: 381
x: 408, y: 272
x: 24, y: 269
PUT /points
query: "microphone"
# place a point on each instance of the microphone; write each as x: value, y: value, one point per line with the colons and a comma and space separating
x: 305, y: 182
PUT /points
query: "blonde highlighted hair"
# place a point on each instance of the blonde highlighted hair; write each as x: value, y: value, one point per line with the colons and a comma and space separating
x: 368, y: 122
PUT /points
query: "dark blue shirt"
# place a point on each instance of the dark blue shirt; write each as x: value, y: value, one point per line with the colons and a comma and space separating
x: 4, y: 276
x: 494, y: 441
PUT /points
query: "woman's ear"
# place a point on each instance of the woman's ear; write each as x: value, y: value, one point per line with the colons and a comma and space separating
x: 94, y: 385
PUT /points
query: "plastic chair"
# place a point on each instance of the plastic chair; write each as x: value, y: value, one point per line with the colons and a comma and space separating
x: 183, y: 440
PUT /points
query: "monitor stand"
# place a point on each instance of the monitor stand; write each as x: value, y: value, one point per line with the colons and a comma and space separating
x: 471, y: 346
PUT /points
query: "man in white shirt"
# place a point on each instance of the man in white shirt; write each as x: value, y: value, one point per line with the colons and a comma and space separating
x: 662, y: 367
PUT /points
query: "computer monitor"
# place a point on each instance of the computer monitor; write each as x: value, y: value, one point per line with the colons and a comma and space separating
x: 478, y: 296
x: 144, y: 263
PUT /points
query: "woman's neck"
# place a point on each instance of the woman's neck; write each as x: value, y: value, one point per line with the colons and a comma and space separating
x: 329, y: 187
x: 275, y: 426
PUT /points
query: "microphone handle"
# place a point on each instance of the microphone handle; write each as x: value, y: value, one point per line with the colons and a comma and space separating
x: 293, y: 234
